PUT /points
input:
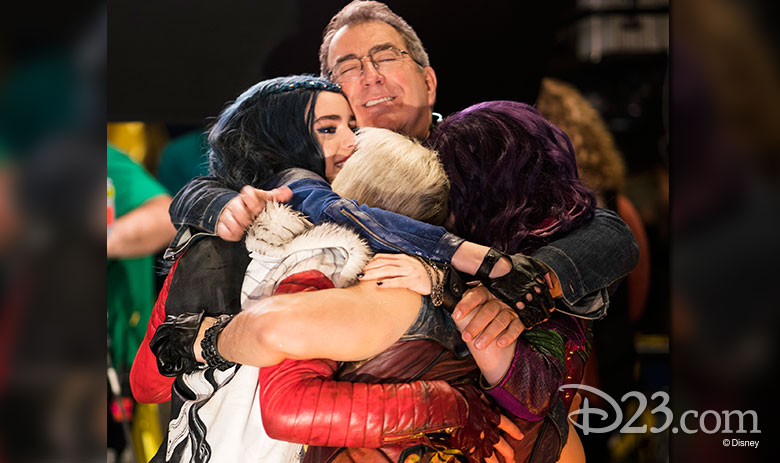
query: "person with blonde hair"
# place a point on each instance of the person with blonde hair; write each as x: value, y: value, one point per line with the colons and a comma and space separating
x: 393, y: 172
x: 599, y: 162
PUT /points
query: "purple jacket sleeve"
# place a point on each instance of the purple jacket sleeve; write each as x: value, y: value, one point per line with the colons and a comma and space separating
x: 549, y: 355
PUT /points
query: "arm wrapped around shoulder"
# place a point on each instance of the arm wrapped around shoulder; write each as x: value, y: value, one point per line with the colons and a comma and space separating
x: 172, y: 344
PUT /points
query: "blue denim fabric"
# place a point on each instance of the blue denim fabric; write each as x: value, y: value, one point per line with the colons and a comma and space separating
x: 385, y: 231
x: 588, y: 261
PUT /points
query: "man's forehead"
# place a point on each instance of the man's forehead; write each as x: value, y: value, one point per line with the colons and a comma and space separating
x: 359, y: 39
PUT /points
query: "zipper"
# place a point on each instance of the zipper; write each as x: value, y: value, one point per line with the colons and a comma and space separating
x: 182, y: 247
x: 356, y: 220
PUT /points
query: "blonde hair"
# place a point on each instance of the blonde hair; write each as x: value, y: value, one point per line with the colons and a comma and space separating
x: 395, y: 173
x: 599, y: 163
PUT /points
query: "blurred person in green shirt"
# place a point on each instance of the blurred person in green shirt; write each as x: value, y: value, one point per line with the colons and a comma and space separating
x: 141, y: 229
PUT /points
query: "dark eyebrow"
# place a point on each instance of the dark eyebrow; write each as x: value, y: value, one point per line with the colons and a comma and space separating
x: 344, y: 58
x: 328, y: 117
x: 380, y: 47
x: 374, y: 49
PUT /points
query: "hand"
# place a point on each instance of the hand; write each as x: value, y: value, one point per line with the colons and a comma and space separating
x: 526, y: 286
x: 241, y: 211
x: 172, y: 343
x: 503, y: 447
x: 398, y: 271
x: 490, y: 319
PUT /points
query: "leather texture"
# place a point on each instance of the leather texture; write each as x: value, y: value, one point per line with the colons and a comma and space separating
x: 172, y: 343
x: 516, y: 285
x: 146, y: 382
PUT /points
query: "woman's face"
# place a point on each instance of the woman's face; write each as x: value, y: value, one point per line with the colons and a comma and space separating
x: 334, y: 126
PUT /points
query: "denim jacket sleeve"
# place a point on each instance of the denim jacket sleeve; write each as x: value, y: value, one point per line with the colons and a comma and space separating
x: 385, y: 231
x: 195, y: 212
x: 196, y: 208
x: 589, y: 260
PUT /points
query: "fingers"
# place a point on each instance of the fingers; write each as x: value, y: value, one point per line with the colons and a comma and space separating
x: 505, y: 450
x: 472, y: 299
x: 384, y: 266
x: 385, y: 271
x: 410, y: 283
x: 380, y: 260
x: 228, y: 228
x: 496, y: 317
x: 508, y: 426
x: 241, y: 211
x: 397, y: 271
x: 490, y: 313
x: 281, y: 195
x: 253, y: 201
x: 511, y: 333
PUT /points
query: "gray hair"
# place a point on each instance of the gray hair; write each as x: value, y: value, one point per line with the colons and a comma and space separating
x: 395, y: 173
x: 360, y: 11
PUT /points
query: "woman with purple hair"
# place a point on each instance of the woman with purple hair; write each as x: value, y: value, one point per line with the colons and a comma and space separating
x: 491, y: 151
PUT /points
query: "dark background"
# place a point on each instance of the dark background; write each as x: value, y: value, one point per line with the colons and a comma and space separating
x: 179, y: 62
x: 179, y: 65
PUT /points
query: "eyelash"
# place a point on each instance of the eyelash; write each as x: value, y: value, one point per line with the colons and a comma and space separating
x: 330, y: 130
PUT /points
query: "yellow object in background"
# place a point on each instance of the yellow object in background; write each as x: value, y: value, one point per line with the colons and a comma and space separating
x: 147, y: 435
x: 143, y: 142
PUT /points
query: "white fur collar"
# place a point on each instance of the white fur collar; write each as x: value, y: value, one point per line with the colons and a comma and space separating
x: 279, y: 231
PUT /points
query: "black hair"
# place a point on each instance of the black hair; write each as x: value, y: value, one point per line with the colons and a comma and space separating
x: 267, y: 129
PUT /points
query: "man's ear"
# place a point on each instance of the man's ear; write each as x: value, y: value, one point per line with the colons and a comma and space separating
x: 430, y: 83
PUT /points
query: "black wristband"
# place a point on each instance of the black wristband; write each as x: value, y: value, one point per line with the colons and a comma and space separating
x: 454, y: 287
x: 209, y: 344
x: 488, y: 262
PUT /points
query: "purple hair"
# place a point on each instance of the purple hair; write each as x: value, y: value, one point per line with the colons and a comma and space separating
x: 513, y: 176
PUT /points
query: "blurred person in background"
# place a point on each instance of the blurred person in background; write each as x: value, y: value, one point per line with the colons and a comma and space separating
x: 141, y: 229
x: 184, y: 157
x: 602, y: 168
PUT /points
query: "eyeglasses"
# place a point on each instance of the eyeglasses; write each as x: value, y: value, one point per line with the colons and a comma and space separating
x: 385, y: 60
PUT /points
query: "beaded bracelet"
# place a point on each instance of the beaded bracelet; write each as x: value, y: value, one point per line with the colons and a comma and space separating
x: 437, y: 279
x: 209, y: 344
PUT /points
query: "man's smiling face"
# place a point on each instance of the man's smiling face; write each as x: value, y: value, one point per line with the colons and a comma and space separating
x: 400, y: 100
